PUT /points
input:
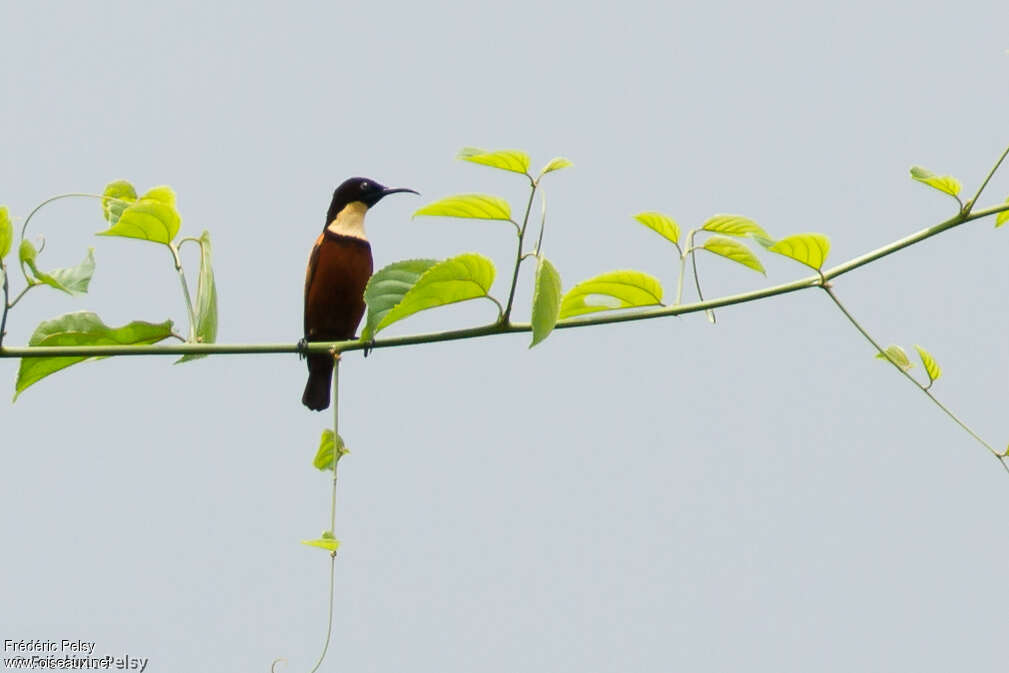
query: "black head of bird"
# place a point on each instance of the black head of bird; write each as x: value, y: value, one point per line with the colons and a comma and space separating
x: 359, y: 190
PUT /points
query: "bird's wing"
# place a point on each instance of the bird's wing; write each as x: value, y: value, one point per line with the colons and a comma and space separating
x: 313, y: 262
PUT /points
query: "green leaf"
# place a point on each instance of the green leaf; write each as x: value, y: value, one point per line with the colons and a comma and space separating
x: 27, y: 252
x: 326, y: 541
x: 556, y: 164
x: 1000, y: 219
x: 944, y: 183
x: 162, y: 194
x: 546, y: 300
x: 611, y: 290
x: 734, y: 250
x: 324, y: 456
x: 83, y: 328
x: 72, y: 280
x: 466, y: 276
x: 153, y: 217
x: 734, y: 225
x: 475, y: 206
x: 664, y: 226
x: 206, y: 300
x: 932, y: 367
x: 78, y: 276
x: 6, y: 232
x: 119, y: 195
x: 897, y: 356
x: 809, y: 249
x: 515, y: 161
x: 387, y: 288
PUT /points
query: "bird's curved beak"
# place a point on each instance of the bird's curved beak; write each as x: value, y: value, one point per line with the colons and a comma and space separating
x: 377, y: 192
x: 393, y: 190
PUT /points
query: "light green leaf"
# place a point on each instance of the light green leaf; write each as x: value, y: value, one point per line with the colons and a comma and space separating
x: 1000, y: 219
x: 83, y: 328
x: 466, y: 276
x: 72, y: 280
x: 611, y: 290
x: 944, y: 183
x: 27, y: 252
x: 664, y: 226
x: 324, y: 456
x: 162, y: 194
x: 205, y: 330
x: 6, y: 232
x: 326, y: 541
x: 897, y: 356
x: 387, y: 288
x: 734, y: 250
x: 475, y: 206
x: 119, y: 195
x: 546, y: 300
x: 152, y: 218
x: 515, y: 161
x: 28, y: 256
x: 734, y: 225
x: 556, y: 164
x: 932, y: 367
x: 206, y: 294
x: 809, y: 249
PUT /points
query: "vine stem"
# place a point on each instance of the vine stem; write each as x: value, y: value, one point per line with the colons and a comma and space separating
x: 688, y: 246
x: 332, y: 507
x: 6, y: 303
x: 329, y: 626
x: 543, y: 224
x: 697, y: 282
x: 69, y: 195
x: 689, y: 250
x: 185, y: 291
x: 332, y: 515
x: 518, y: 255
x: 830, y: 293
x: 9, y: 303
x: 336, y: 436
x: 977, y: 195
x: 15, y: 300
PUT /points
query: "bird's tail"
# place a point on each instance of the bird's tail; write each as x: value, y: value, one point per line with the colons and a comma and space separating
x: 320, y: 376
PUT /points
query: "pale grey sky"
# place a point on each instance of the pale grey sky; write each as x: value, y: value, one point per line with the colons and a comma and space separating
x: 758, y: 495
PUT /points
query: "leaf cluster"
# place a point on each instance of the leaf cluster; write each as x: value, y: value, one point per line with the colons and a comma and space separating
x: 152, y: 217
x: 404, y: 288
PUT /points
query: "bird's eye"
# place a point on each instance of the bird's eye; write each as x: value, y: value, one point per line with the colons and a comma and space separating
x: 364, y: 185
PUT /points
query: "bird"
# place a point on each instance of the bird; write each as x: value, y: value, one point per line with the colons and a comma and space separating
x: 338, y: 271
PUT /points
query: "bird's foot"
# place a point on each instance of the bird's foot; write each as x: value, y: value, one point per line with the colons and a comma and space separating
x: 302, y: 349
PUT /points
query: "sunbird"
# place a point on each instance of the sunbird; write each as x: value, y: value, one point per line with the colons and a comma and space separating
x: 338, y: 270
